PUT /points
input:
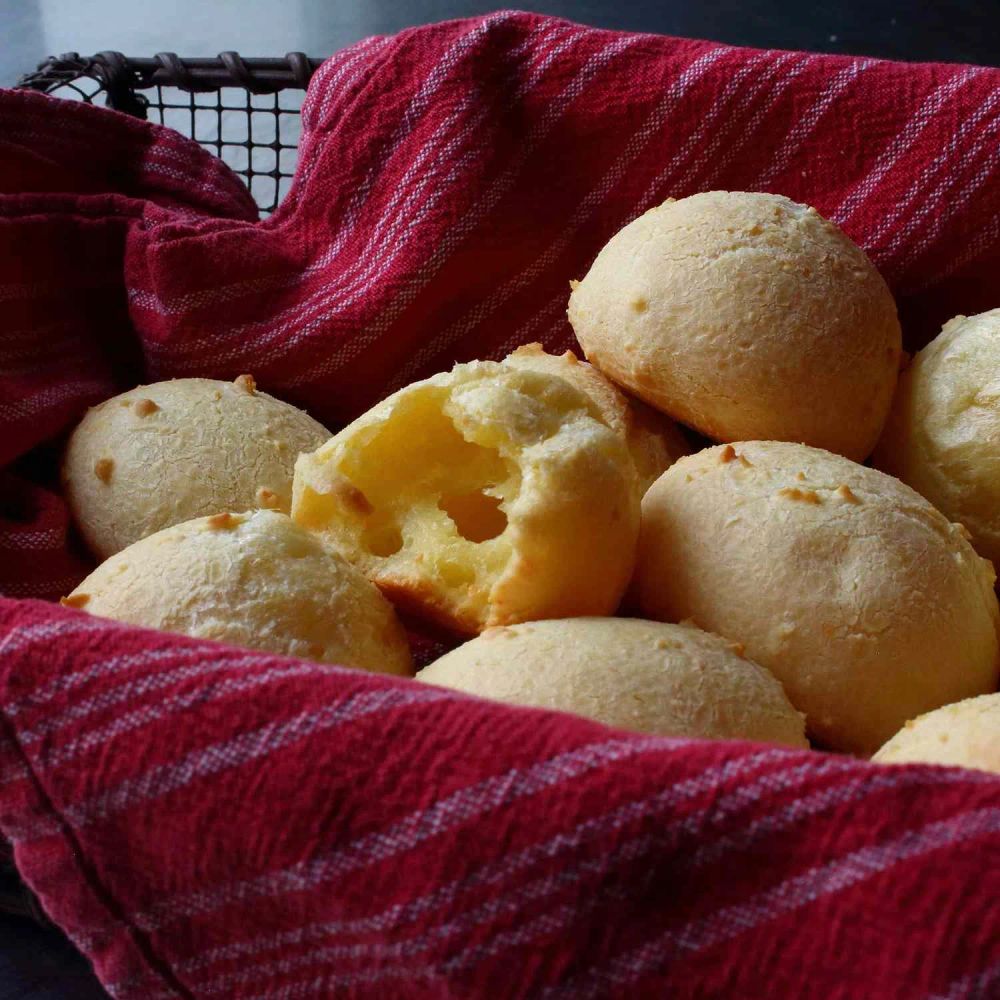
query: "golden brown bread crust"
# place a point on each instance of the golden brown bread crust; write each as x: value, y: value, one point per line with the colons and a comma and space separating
x: 966, y: 734
x: 865, y: 602
x: 943, y: 432
x: 254, y: 579
x: 161, y: 454
x: 745, y: 316
x: 674, y: 680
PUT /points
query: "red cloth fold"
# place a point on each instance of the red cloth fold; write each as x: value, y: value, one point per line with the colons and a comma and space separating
x: 206, y: 821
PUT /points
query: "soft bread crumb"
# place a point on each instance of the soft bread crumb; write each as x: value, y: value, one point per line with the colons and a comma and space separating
x: 800, y: 476
x: 144, y: 407
x: 220, y: 522
x: 727, y: 454
x: 103, y: 468
x: 247, y: 383
x: 74, y: 600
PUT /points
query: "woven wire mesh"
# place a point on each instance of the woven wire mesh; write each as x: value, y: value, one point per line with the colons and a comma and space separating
x: 257, y: 135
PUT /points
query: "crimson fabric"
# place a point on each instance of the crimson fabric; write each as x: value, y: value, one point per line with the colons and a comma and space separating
x: 208, y: 822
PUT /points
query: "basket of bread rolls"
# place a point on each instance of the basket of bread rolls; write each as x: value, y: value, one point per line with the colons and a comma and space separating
x: 738, y: 511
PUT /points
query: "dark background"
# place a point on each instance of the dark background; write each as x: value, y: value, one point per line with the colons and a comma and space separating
x: 36, y: 964
x: 956, y: 31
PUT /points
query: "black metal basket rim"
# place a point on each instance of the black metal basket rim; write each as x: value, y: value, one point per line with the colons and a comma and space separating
x: 116, y: 71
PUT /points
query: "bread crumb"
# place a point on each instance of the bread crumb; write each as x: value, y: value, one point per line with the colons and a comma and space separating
x: 846, y: 493
x: 794, y: 493
x: 144, y: 407
x: 74, y: 600
x: 689, y: 478
x: 943, y: 737
x: 570, y: 357
x: 246, y: 383
x: 639, y: 305
x: 738, y: 648
x: 727, y: 454
x: 217, y: 394
x: 909, y: 724
x: 800, y: 476
x: 218, y: 522
x: 103, y: 468
x: 268, y: 499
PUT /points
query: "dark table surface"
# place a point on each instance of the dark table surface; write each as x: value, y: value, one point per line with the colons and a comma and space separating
x: 37, y: 964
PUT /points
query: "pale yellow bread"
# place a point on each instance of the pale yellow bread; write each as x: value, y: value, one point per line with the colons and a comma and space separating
x: 483, y: 496
x: 744, y: 316
x: 862, y: 599
x: 674, y: 680
x: 164, y: 453
x: 943, y: 433
x: 254, y: 579
x: 966, y: 734
x: 654, y: 440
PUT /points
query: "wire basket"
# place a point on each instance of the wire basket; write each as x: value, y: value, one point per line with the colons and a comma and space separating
x: 246, y: 111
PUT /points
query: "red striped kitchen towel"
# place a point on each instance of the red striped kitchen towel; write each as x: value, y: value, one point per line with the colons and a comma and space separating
x: 210, y: 822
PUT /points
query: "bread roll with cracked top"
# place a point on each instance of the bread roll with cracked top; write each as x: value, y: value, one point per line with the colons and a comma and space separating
x: 943, y: 433
x: 164, y: 453
x: 483, y: 496
x: 653, y: 439
x: 863, y: 600
x: 254, y: 579
x: 744, y: 316
x: 963, y: 735
x: 673, y: 680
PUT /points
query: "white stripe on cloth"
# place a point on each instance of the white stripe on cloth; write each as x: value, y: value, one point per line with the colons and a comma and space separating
x: 827, y: 798
x: 709, y: 152
x: 633, y: 148
x: 21, y: 637
x: 106, y: 668
x: 531, y: 892
x: 981, y: 242
x: 51, y: 396
x: 149, y: 714
x: 159, y: 781
x: 141, y: 686
x: 788, y: 147
x: 983, y: 984
x: 794, y: 893
x: 379, y: 253
x: 633, y: 850
x: 455, y: 809
x: 496, y: 872
x: 345, y: 230
x: 240, y: 750
x: 455, y: 234
x: 956, y: 153
x: 909, y: 134
x: 175, y: 305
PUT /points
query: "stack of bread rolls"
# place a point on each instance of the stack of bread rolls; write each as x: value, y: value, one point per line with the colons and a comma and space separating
x: 776, y: 589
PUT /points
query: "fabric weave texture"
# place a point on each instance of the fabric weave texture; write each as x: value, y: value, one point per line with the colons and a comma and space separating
x: 212, y: 822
